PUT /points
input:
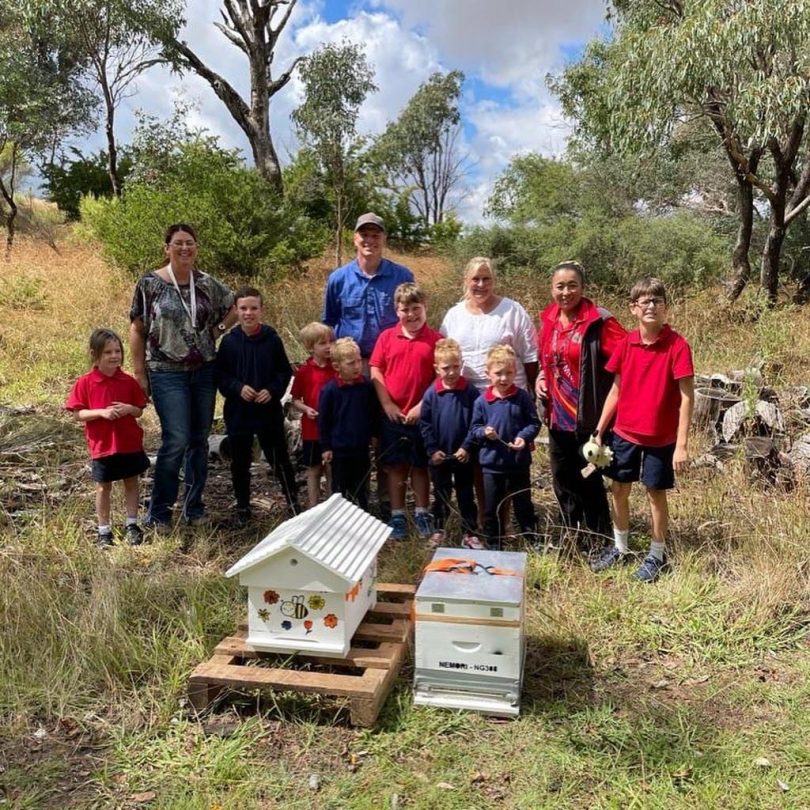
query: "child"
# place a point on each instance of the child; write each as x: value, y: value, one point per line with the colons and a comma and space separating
x: 308, y: 381
x: 253, y: 373
x: 505, y: 422
x: 109, y: 401
x: 347, y: 416
x: 651, y: 398
x: 401, y: 369
x: 445, y: 423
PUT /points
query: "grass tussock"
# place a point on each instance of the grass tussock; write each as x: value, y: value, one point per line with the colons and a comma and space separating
x: 662, y: 696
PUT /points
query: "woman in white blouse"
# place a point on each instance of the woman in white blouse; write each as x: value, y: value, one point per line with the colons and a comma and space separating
x: 483, y: 319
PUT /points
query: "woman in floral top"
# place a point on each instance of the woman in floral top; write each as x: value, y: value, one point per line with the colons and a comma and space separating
x: 177, y: 314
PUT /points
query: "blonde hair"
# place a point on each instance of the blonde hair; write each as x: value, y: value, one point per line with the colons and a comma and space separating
x: 473, y: 265
x: 344, y: 349
x: 501, y: 354
x: 447, y: 347
x: 409, y: 293
x: 313, y: 332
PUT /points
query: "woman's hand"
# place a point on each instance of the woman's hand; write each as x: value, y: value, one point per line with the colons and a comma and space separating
x: 540, y: 388
x: 143, y: 380
x: 263, y: 396
x: 247, y: 393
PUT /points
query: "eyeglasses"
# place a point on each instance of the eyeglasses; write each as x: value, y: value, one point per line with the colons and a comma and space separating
x: 650, y: 303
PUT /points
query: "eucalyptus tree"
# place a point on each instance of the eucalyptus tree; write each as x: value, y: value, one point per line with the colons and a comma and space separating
x: 736, y: 70
x: 337, y: 79
x: 254, y: 27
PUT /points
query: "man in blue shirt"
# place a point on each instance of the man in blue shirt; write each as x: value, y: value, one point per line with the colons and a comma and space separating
x: 359, y: 299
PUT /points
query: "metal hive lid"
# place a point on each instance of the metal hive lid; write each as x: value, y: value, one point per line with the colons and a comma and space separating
x: 336, y: 534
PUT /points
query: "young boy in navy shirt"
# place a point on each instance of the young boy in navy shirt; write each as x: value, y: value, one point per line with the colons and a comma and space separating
x: 651, y: 399
x: 401, y: 370
x: 505, y: 422
x: 445, y: 423
x: 253, y: 373
x: 347, y: 419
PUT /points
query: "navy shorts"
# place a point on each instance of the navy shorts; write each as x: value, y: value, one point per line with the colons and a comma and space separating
x: 401, y: 444
x: 635, y: 462
x: 311, y: 452
x: 118, y: 466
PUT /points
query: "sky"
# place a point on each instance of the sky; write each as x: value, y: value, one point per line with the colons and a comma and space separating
x: 505, y: 49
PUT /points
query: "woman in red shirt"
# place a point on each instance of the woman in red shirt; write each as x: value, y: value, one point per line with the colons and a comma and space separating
x: 576, y: 338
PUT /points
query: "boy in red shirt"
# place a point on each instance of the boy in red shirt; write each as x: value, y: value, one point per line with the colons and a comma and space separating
x: 401, y: 370
x: 308, y: 381
x: 652, y: 400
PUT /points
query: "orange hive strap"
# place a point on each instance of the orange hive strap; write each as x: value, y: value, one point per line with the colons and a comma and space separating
x: 458, y: 565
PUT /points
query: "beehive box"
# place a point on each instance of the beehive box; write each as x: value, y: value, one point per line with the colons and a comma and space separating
x: 312, y: 579
x: 470, y: 636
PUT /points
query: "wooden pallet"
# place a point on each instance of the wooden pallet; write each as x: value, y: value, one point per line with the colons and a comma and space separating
x: 378, y: 650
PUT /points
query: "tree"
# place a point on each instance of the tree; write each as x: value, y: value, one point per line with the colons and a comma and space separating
x: 735, y: 69
x: 337, y: 79
x: 420, y: 149
x: 117, y: 40
x: 41, y: 96
x: 248, y: 24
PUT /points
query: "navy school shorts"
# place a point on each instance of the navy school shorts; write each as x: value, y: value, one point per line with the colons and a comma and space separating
x: 401, y: 444
x: 652, y: 466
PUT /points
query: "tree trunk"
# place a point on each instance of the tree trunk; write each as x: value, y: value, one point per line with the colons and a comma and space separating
x: 8, y: 196
x: 265, y: 158
x: 740, y: 264
x: 769, y: 272
x: 112, y: 151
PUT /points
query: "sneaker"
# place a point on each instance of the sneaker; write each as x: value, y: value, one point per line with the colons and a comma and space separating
x: 157, y: 527
x: 650, y: 569
x: 242, y: 517
x: 398, y: 526
x: 424, y: 525
x: 133, y: 534
x: 608, y: 558
x: 104, y: 539
x: 473, y: 542
x: 436, y: 539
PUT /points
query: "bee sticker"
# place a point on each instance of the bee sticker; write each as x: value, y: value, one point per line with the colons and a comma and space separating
x: 271, y: 597
x: 308, y: 626
x: 286, y: 625
x: 295, y: 608
x: 330, y: 621
x: 316, y: 602
x: 264, y: 614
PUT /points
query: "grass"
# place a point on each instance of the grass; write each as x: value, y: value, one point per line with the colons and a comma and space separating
x: 635, y: 697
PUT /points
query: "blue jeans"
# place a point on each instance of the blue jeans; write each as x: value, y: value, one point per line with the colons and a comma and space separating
x: 184, y: 402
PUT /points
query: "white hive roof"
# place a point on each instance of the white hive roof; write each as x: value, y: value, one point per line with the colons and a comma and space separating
x: 336, y: 534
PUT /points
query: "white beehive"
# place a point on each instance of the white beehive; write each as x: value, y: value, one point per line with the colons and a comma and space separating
x: 470, y: 632
x: 312, y: 579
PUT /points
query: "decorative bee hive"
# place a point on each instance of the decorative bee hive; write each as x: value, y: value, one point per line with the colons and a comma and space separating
x: 312, y: 579
x: 470, y: 631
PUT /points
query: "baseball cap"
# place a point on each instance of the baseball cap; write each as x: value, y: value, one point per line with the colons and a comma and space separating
x: 369, y: 219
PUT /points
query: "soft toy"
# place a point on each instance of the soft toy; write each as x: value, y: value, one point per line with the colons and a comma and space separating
x: 597, y: 455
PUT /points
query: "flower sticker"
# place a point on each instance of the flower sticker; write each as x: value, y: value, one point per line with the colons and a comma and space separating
x: 286, y: 625
x: 330, y: 620
x: 316, y: 602
x: 271, y: 597
x: 264, y: 614
x: 308, y: 626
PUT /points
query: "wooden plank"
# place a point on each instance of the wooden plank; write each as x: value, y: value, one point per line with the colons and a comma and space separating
x: 242, y: 677
x: 364, y: 712
x: 391, y: 609
x: 396, y: 631
x: 396, y: 589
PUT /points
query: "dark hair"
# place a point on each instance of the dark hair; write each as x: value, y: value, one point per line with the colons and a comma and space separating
x: 98, y: 340
x: 648, y: 286
x: 179, y: 226
x: 248, y: 292
x: 570, y: 265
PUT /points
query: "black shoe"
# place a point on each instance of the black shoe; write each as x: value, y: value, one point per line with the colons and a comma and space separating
x: 104, y: 539
x: 242, y: 517
x: 133, y: 534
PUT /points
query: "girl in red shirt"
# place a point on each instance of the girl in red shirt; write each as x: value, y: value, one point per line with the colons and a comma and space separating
x: 109, y: 402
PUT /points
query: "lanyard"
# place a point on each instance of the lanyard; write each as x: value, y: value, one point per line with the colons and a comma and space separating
x: 192, y: 313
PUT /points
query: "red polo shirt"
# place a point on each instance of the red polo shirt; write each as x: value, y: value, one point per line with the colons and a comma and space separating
x: 406, y: 363
x: 650, y: 396
x: 309, y: 379
x: 96, y: 390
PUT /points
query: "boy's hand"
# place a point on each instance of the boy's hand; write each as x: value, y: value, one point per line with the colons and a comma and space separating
x: 438, y: 457
x: 263, y: 396
x: 326, y: 457
x: 518, y: 444
x: 490, y: 433
x: 125, y: 409
x: 412, y: 417
x: 110, y: 413
x: 310, y: 413
x: 247, y: 393
x: 680, y: 459
x: 540, y: 388
x: 461, y: 455
x: 393, y: 412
